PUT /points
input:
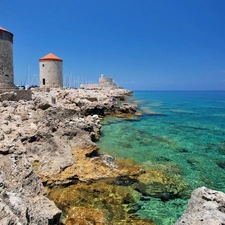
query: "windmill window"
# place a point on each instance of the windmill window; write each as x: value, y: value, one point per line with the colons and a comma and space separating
x: 43, y: 81
x: 43, y: 65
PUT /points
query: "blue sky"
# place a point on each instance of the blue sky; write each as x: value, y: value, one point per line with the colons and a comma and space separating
x: 142, y: 44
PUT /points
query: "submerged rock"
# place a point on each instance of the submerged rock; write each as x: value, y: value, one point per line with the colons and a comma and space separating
x: 118, y: 190
x: 82, y: 215
x: 107, y: 203
x: 125, y: 181
x: 160, y: 184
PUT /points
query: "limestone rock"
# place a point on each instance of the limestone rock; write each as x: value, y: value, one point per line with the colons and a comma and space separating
x: 50, y: 143
x: 43, y: 105
x: 205, y: 207
x: 22, y: 196
x: 6, y: 129
x: 127, y: 109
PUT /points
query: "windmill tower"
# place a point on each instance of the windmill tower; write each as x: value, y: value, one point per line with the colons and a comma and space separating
x: 50, y: 71
x: 6, y: 60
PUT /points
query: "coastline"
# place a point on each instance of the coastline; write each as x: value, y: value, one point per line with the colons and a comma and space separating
x: 54, y: 136
x: 51, y: 142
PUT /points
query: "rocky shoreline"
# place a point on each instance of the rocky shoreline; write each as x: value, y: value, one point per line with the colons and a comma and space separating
x: 50, y: 141
x: 48, y: 151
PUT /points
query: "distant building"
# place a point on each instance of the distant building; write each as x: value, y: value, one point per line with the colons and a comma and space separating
x: 104, y: 83
x: 51, y: 71
x: 6, y: 60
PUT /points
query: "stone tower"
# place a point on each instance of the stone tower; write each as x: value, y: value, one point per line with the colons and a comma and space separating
x: 6, y: 60
x: 50, y: 71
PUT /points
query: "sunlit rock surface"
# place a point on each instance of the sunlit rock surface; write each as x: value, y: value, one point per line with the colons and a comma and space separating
x: 206, y: 206
x: 22, y: 196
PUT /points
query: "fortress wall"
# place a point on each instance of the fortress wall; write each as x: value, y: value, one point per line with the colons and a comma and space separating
x: 104, y: 82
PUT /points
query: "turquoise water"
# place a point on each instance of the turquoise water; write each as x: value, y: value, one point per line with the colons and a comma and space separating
x: 185, y: 129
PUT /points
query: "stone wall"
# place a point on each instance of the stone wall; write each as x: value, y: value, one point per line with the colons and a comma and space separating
x: 15, y: 95
x: 90, y: 86
x: 106, y: 82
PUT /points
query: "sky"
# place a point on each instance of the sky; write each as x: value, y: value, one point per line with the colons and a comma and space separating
x: 141, y: 44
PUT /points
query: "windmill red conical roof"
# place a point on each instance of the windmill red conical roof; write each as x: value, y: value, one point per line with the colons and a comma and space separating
x: 50, y: 56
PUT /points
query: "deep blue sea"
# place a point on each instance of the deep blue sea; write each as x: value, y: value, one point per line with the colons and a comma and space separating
x: 181, y: 128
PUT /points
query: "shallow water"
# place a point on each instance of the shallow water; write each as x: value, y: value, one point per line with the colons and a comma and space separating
x: 184, y: 129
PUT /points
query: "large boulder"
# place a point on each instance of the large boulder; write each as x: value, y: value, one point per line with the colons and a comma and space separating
x: 205, y: 207
x: 22, y: 196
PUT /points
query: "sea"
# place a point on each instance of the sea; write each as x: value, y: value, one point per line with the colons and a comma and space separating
x: 185, y: 129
